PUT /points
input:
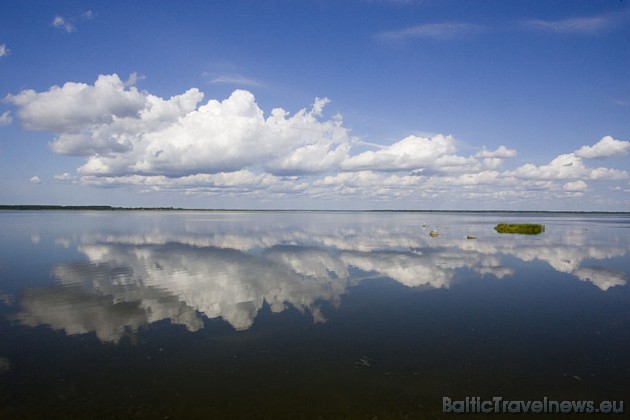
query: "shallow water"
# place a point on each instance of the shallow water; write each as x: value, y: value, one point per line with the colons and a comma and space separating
x: 306, y: 314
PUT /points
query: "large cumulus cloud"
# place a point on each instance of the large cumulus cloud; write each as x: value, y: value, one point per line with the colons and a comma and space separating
x: 123, y: 131
x: 75, y: 107
x: 183, y: 144
x: 605, y: 148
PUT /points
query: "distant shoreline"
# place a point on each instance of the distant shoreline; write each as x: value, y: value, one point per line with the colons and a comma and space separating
x: 32, y: 207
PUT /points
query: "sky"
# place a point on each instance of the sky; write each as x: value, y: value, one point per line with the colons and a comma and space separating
x: 316, y: 104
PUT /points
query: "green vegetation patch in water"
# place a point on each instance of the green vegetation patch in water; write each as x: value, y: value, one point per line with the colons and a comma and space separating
x: 522, y: 228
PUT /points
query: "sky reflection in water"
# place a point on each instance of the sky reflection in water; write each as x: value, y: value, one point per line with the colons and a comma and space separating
x: 114, y: 274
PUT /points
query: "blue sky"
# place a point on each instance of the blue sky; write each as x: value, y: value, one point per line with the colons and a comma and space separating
x: 348, y: 104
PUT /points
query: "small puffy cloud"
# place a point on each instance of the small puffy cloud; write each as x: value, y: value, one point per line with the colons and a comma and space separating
x: 5, y: 118
x: 500, y: 152
x: 65, y: 177
x: 426, y: 155
x: 575, y: 186
x: 605, y: 148
x: 36, y: 180
x: 67, y: 24
x: 4, y: 51
x: 565, y: 167
x: 410, y: 153
x: 63, y: 24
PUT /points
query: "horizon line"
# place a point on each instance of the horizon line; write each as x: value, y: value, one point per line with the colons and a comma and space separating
x: 40, y: 207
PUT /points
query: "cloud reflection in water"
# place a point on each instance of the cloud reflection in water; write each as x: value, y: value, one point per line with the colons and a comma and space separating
x: 231, y: 270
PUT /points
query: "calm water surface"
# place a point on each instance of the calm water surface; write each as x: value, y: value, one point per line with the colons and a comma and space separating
x: 306, y: 315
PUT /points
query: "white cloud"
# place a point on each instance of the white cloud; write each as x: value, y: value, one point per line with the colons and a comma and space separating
x: 228, y: 136
x: 63, y: 24
x: 605, y: 148
x: 4, y: 51
x: 67, y: 24
x: 124, y: 131
x: 76, y: 107
x: 441, y: 31
x: 36, y: 180
x: 500, y: 152
x: 237, y: 181
x: 565, y: 167
x: 182, y: 144
x: 235, y: 79
x: 65, y: 177
x: 456, y: 30
x: 409, y: 153
x: 133, y: 79
x: 311, y: 158
x: 575, y: 186
x: 426, y: 155
x: 576, y: 25
x: 6, y: 118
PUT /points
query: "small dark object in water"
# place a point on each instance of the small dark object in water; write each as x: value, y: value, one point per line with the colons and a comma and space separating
x: 522, y: 228
x: 433, y: 233
x: 470, y: 237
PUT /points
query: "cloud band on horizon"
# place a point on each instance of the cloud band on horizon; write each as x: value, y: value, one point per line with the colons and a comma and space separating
x: 131, y: 137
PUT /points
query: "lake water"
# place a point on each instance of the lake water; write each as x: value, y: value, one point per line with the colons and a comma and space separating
x: 306, y: 314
